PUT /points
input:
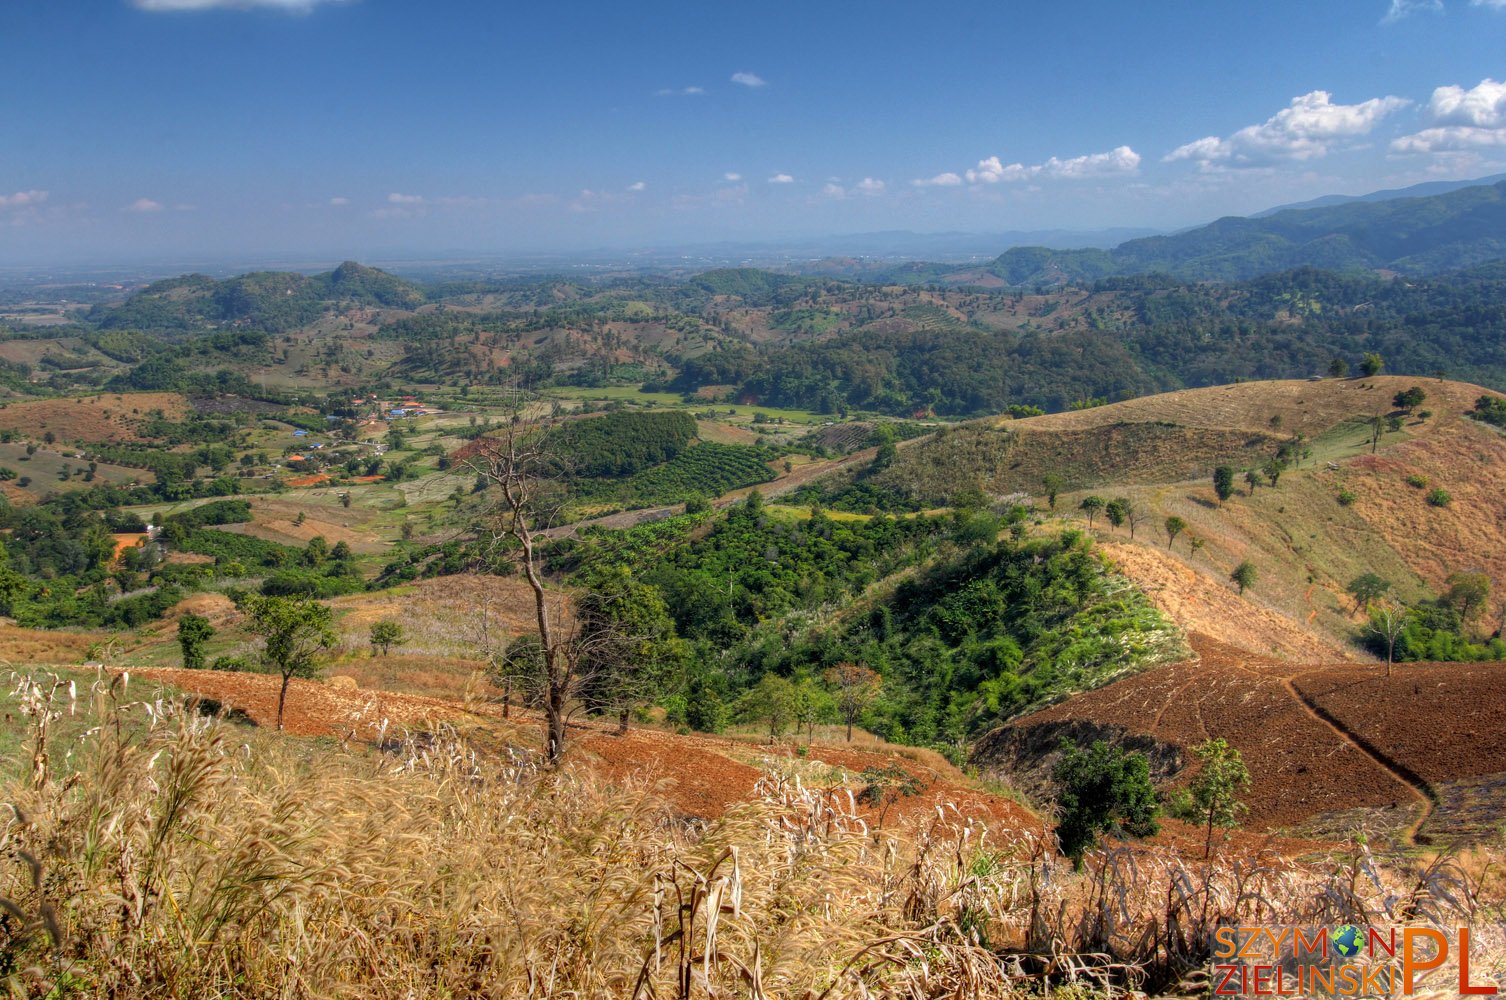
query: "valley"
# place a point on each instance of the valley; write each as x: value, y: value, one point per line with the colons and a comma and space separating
x: 749, y: 551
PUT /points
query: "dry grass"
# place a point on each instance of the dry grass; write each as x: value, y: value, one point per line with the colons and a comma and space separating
x: 101, y: 418
x: 167, y: 854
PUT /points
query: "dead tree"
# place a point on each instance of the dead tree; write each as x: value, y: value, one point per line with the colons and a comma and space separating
x: 518, y: 470
x: 601, y: 649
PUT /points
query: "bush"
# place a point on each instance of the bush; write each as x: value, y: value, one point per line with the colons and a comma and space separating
x: 1439, y: 497
x: 1103, y: 790
x: 1416, y: 482
x: 1345, y: 498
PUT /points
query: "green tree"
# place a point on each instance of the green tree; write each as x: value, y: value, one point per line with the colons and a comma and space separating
x: 1252, y: 480
x: 1371, y: 364
x: 813, y: 705
x: 1273, y: 469
x: 704, y: 709
x: 1102, y: 790
x: 193, y: 632
x: 1223, y: 482
x: 1218, y: 785
x: 1114, y: 510
x: 1338, y: 368
x: 772, y: 701
x: 384, y: 635
x: 295, y: 634
x: 1244, y: 576
x: 1409, y: 399
x: 1051, y: 483
x: 1174, y: 527
x: 1467, y: 593
x: 1091, y: 505
x: 1367, y: 587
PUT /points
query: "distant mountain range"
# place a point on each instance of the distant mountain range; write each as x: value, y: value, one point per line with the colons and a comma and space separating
x: 1384, y: 232
x: 1425, y: 190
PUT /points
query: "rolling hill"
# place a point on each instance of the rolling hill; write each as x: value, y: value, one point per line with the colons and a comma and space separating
x: 1413, y: 236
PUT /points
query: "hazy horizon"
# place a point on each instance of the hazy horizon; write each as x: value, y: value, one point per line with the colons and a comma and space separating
x: 209, y: 129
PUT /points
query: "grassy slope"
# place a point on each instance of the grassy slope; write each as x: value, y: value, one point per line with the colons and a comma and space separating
x: 1305, y: 545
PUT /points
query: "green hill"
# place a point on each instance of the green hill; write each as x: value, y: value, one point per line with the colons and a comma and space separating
x: 1415, y: 236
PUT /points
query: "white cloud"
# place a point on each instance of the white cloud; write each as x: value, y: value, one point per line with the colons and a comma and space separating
x: 22, y: 199
x: 339, y: 201
x: 749, y: 79
x: 680, y: 92
x: 1402, y: 8
x: 143, y: 205
x: 947, y: 179
x: 992, y: 171
x: 1306, y: 129
x: 1463, y: 120
x: 732, y: 176
x: 1119, y: 161
x: 1493, y: 4
x: 781, y: 179
x: 870, y: 185
x: 638, y: 186
x: 405, y: 199
x: 1449, y: 138
x: 834, y: 190
x: 1483, y: 106
x: 291, y: 6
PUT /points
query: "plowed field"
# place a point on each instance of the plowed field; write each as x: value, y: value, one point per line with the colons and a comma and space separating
x: 1364, y: 743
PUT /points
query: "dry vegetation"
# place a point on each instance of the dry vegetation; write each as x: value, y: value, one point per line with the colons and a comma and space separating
x: 104, y: 418
x: 169, y: 855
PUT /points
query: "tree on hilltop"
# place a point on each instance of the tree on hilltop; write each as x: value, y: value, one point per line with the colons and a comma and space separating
x: 295, y: 632
x: 1091, y: 505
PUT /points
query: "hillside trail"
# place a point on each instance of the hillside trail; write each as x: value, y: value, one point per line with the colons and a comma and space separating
x: 1417, y: 787
x: 1287, y: 675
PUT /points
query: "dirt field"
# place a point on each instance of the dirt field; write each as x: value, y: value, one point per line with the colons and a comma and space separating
x: 1366, y: 750
x: 106, y: 418
x: 1409, y: 754
x: 1439, y: 720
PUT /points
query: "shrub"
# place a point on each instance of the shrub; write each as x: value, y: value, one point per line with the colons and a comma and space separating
x: 1416, y: 482
x: 1103, y: 789
x: 1345, y: 498
x: 1439, y: 497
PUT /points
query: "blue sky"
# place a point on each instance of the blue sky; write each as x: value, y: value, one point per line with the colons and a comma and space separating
x: 140, y: 128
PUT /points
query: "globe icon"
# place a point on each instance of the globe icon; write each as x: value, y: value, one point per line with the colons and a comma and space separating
x: 1347, y: 940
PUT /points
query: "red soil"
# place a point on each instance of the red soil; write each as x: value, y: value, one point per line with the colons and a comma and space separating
x: 1381, y: 740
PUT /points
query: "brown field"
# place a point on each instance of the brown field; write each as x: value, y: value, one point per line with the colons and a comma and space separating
x: 1438, y: 720
x: 1372, y: 751
x: 23, y: 645
x: 107, y: 418
x: 277, y: 521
